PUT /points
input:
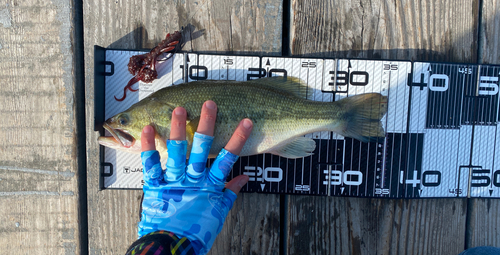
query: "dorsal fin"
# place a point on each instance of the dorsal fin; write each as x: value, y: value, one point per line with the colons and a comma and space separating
x: 292, y: 85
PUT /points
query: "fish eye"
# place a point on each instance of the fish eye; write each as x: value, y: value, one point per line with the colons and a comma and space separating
x: 123, y: 120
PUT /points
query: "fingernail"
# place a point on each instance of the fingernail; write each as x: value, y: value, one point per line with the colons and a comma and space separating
x: 180, y: 111
x: 247, y: 123
x: 148, y: 129
x: 210, y: 105
x: 243, y: 181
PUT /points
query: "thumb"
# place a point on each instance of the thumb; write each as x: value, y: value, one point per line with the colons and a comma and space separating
x: 237, y: 183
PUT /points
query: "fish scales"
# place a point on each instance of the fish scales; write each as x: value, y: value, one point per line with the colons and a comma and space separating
x: 277, y: 116
x: 277, y: 107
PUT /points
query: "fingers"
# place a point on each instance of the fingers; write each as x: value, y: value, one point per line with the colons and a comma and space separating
x: 198, y: 158
x: 176, y: 161
x: 202, y: 141
x: 207, y: 118
x: 178, y: 124
x: 240, y: 136
x: 176, y: 146
x: 152, y: 167
x: 148, y: 139
x: 150, y: 157
x: 206, y: 125
x: 237, y: 183
x: 228, y: 156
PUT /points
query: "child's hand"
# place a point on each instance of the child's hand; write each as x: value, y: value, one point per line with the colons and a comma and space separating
x: 188, y: 200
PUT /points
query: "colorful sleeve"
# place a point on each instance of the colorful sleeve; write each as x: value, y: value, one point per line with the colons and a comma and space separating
x: 161, y: 242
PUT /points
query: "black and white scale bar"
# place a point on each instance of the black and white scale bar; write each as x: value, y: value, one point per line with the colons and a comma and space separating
x: 441, y: 126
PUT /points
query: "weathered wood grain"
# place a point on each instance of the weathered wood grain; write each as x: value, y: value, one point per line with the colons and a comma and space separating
x: 321, y: 225
x: 414, y: 30
x: 483, y: 215
x: 229, y: 26
x: 38, y: 166
x: 484, y: 223
x: 424, y: 30
x: 490, y: 33
x: 252, y: 227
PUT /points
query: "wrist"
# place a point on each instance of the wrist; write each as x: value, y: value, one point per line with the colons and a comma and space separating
x: 162, y: 242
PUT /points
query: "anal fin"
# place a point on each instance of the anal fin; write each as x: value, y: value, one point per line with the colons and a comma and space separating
x: 299, y: 147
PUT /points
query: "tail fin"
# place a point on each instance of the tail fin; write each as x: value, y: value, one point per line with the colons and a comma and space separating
x: 362, y: 116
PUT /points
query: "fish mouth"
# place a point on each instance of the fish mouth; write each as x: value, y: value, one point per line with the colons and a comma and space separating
x: 119, y: 137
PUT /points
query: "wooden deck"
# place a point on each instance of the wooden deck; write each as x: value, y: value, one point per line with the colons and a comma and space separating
x: 49, y: 187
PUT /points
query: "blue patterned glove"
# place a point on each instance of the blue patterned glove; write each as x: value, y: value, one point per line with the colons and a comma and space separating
x: 187, y: 200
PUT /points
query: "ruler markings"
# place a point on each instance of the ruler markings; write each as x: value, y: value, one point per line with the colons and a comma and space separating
x: 436, y: 99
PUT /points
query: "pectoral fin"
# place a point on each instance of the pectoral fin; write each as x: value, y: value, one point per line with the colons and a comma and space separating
x: 299, y: 147
x: 191, y: 127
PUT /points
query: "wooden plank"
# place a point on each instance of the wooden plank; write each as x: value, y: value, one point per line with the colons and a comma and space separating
x: 252, y: 26
x: 483, y: 223
x: 483, y: 218
x: 408, y: 30
x: 38, y: 165
x: 490, y: 32
x: 413, y: 30
x: 321, y: 225
x: 252, y: 226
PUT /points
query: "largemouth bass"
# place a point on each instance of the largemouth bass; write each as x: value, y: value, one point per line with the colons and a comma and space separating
x: 280, y: 113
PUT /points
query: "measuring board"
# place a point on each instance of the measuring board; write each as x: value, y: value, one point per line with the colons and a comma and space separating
x: 441, y: 125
